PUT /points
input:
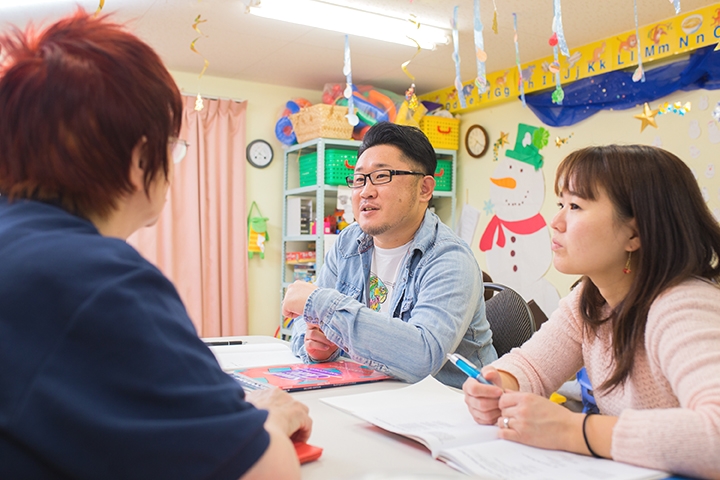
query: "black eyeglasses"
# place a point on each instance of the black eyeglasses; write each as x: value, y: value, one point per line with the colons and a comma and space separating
x: 378, y: 177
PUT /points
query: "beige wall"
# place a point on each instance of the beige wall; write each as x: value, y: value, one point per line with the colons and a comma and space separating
x: 265, y: 185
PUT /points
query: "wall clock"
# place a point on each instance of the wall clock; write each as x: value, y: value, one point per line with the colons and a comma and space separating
x: 476, y: 141
x: 259, y: 153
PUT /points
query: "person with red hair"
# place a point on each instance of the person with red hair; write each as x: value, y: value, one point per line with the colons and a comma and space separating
x: 103, y: 374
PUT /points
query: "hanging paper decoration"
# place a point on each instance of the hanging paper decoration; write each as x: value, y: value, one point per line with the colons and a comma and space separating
x: 348, y: 93
x: 639, y: 75
x: 558, y: 35
x: 500, y: 143
x: 558, y: 95
x: 560, y: 141
x: 411, y: 98
x: 677, y: 108
x: 647, y: 117
x: 199, y: 103
x: 257, y: 232
x: 480, y: 55
x: 192, y: 44
x: 411, y: 102
x: 100, y: 7
x: 676, y: 4
x: 494, y: 25
x: 456, y: 59
x: 517, y: 61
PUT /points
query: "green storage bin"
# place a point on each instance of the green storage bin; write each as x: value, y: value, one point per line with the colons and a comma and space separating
x: 337, y: 162
x: 443, y: 175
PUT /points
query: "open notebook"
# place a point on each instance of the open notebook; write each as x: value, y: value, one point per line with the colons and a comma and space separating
x: 437, y: 417
x: 231, y: 357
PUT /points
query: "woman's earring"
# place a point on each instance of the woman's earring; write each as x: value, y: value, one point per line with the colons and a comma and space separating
x: 627, y: 270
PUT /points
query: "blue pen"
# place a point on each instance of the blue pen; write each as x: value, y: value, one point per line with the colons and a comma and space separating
x: 467, y: 368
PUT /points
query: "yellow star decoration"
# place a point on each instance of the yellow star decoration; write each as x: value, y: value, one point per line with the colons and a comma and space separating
x: 504, y: 139
x: 647, y: 117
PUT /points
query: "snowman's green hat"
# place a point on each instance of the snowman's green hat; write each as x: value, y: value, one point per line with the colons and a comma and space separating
x: 528, y: 143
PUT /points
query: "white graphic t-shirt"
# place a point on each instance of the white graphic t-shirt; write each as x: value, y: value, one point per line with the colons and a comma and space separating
x: 383, y: 275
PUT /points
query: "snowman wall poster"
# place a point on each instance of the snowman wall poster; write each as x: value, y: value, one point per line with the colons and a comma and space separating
x: 516, y: 241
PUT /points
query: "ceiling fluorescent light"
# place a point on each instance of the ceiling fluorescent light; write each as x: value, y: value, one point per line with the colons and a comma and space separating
x: 351, y: 21
x: 25, y: 3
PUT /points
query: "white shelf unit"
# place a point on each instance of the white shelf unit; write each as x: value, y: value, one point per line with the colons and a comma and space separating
x: 325, y: 198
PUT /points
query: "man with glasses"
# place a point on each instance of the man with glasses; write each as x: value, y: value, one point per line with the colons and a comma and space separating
x: 398, y: 290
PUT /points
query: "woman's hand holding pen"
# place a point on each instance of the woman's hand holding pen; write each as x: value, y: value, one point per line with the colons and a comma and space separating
x: 522, y: 417
x: 483, y: 400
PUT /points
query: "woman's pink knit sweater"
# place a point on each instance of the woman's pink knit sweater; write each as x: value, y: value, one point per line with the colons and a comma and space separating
x: 669, y: 409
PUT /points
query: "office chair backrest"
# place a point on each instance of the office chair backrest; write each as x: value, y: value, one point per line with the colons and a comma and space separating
x: 510, y: 318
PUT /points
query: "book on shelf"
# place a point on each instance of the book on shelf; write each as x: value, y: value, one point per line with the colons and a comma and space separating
x: 436, y: 416
x: 300, y: 376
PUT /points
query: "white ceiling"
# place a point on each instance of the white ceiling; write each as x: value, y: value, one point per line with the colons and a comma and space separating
x: 246, y: 47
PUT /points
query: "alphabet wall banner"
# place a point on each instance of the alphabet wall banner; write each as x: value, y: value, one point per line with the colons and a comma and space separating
x: 680, y: 34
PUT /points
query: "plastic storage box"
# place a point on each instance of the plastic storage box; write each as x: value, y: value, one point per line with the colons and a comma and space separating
x: 338, y: 165
x: 443, y: 176
x: 442, y: 132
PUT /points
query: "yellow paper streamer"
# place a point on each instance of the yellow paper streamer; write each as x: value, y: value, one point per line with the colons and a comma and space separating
x: 405, y: 64
x: 192, y: 44
x: 198, y: 22
x: 100, y: 7
x: 494, y: 24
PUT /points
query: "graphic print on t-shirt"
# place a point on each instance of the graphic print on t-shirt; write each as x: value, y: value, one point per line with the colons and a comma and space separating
x: 378, y: 292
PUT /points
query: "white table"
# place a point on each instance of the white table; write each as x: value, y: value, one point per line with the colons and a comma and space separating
x: 355, y: 449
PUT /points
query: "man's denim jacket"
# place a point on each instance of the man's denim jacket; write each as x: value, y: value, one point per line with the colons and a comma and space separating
x: 437, y: 306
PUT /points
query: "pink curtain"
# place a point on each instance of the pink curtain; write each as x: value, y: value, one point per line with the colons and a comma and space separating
x: 200, y: 241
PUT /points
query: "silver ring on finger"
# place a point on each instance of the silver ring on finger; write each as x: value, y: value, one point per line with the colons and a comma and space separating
x: 506, y: 422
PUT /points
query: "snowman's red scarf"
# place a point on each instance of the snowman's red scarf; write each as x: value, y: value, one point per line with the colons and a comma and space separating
x: 521, y: 227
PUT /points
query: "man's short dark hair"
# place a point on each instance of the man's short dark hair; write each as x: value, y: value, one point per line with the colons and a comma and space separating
x: 413, y: 143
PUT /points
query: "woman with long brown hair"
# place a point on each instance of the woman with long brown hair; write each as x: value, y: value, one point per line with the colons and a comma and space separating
x: 644, y: 320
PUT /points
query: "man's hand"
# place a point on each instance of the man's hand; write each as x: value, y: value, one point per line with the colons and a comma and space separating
x: 296, y: 296
x: 317, y: 345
